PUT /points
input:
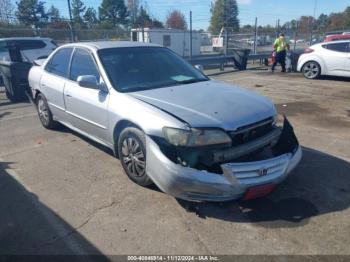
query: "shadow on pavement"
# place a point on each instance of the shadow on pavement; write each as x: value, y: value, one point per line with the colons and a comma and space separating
x: 28, y: 227
x: 320, y: 185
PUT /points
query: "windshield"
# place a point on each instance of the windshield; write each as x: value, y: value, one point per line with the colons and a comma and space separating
x: 140, y: 68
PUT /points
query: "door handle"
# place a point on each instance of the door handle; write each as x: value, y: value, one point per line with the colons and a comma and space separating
x: 68, y: 95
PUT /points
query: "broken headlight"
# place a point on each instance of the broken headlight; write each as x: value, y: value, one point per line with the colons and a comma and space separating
x: 195, y: 137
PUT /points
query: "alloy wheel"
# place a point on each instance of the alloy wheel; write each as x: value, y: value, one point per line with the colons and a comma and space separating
x: 311, y: 70
x: 43, y: 112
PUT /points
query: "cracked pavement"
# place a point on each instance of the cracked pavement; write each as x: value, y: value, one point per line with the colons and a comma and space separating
x: 63, y: 194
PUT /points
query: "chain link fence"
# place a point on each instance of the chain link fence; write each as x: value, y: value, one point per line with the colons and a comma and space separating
x: 65, y: 35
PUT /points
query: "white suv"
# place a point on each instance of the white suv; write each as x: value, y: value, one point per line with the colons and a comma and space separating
x: 31, y: 47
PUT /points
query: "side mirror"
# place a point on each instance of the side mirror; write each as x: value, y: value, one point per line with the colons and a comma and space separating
x: 88, y: 81
x: 199, y: 68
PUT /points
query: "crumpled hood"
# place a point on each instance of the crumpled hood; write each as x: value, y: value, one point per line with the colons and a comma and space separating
x: 210, y: 104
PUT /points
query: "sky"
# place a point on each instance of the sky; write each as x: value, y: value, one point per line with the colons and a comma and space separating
x: 267, y: 11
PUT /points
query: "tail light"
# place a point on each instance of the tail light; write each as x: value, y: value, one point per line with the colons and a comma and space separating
x: 308, y: 50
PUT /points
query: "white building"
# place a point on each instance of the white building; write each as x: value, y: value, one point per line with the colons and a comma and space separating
x: 176, y: 40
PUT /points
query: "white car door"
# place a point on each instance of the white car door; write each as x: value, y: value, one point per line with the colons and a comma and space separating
x: 336, y: 57
x: 54, y: 79
x: 86, y: 107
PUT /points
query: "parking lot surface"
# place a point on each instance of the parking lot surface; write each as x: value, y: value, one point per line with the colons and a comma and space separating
x: 63, y: 194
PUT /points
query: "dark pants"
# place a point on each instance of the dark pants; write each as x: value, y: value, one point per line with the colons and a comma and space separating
x: 280, y: 58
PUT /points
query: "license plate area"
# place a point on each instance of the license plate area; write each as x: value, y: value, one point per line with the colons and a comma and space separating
x: 259, y: 191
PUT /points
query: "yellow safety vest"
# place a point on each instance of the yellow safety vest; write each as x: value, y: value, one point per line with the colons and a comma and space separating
x: 280, y: 45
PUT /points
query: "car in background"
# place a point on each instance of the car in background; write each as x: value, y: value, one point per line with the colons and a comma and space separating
x: 32, y: 48
x: 17, y: 55
x: 332, y: 58
x: 195, y: 138
x: 332, y: 38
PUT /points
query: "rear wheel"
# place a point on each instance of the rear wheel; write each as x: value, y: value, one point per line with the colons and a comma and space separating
x: 132, y: 154
x: 311, y: 70
x: 44, y: 112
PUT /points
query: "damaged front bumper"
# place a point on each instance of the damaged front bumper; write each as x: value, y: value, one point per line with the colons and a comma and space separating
x: 237, y: 178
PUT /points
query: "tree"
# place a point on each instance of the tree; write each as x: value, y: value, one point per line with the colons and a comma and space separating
x: 176, y: 20
x: 90, y: 17
x: 31, y: 12
x: 322, y: 22
x: 224, y: 13
x: 134, y: 9
x: 54, y: 14
x: 113, y: 12
x: 143, y: 19
x: 347, y: 17
x: 6, y: 9
x: 78, y: 8
x: 157, y: 24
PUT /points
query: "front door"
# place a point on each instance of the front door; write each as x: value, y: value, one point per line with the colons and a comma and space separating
x: 86, y: 107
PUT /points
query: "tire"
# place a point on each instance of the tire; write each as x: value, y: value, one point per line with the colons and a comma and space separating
x: 44, y: 112
x: 132, y: 155
x: 311, y: 70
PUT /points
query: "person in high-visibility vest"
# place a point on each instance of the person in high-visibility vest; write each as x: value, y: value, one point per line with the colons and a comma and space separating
x: 280, y: 46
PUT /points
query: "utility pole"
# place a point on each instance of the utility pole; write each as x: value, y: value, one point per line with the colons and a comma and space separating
x: 312, y: 22
x: 71, y: 21
x: 255, y: 34
x: 191, y: 36
x: 226, y: 29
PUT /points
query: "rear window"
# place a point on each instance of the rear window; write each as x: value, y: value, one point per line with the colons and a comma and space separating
x: 338, y: 47
x: 28, y: 44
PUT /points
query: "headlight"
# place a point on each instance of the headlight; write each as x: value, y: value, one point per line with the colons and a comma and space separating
x: 278, y: 120
x: 195, y: 137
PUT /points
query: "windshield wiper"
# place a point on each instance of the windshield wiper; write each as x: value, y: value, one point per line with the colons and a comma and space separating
x: 189, y: 81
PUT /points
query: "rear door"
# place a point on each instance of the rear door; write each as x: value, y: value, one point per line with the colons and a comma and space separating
x: 54, y: 79
x: 336, y: 57
x: 86, y: 107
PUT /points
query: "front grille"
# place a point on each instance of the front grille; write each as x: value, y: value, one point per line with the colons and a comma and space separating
x: 251, y: 132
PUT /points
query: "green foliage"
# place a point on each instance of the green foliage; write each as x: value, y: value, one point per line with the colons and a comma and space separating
x: 90, y: 17
x: 324, y: 23
x: 143, y: 19
x: 78, y: 9
x: 31, y: 12
x: 224, y: 14
x: 6, y: 9
x: 54, y: 14
x: 157, y: 24
x: 113, y: 13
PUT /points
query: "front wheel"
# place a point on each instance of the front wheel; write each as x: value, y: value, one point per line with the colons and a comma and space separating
x: 44, y: 112
x: 132, y: 154
x: 311, y: 70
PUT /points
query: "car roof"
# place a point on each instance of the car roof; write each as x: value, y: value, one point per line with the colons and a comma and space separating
x: 24, y: 38
x: 333, y: 42
x: 111, y: 44
x: 338, y: 36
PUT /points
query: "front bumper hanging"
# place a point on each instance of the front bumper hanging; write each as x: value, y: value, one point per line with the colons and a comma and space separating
x: 237, y: 178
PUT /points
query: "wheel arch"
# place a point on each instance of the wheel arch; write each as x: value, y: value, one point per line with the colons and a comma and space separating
x: 317, y: 61
x: 118, y: 128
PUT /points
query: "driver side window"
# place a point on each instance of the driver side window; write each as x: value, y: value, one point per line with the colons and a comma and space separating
x: 83, y: 64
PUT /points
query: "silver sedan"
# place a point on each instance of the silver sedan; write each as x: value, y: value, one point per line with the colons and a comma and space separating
x: 195, y: 138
